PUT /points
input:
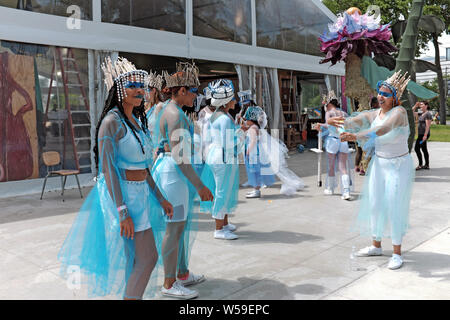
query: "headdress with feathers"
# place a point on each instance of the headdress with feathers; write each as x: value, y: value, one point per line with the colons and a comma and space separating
x: 155, y: 81
x: 397, y: 83
x: 328, y: 98
x: 186, y: 76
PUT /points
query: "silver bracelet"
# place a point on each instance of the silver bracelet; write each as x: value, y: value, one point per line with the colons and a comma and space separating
x: 123, y: 214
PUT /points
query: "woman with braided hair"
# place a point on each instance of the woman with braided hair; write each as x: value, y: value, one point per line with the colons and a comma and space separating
x: 114, y: 238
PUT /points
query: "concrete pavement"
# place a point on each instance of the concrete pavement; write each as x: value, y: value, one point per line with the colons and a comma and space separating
x: 289, y: 248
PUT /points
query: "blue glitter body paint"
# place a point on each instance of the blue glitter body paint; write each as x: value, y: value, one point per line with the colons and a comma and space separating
x: 135, y: 85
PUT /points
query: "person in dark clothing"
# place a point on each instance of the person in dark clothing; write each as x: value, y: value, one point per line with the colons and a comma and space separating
x: 423, y: 134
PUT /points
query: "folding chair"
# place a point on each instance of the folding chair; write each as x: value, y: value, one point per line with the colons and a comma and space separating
x: 53, y: 159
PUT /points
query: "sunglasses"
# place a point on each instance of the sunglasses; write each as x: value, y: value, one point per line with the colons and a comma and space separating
x: 193, y: 90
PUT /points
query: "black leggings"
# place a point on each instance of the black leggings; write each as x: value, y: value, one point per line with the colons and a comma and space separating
x: 359, y: 155
x: 424, y: 149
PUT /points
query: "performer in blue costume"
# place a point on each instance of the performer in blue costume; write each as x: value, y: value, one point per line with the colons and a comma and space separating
x: 114, y: 238
x: 154, y: 95
x: 203, y: 121
x: 178, y: 180
x: 339, y: 162
x: 154, y: 92
x: 222, y: 164
x: 384, y: 132
x: 265, y: 157
x: 246, y: 99
x: 257, y: 163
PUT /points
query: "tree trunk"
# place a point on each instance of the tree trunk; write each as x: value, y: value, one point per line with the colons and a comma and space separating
x: 441, y: 83
x: 411, y: 97
x: 406, y: 56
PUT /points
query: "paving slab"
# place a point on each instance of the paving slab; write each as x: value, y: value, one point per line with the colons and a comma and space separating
x: 289, y: 248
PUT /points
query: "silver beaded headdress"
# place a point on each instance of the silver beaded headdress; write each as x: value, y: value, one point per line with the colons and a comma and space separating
x: 120, y: 72
x: 186, y: 76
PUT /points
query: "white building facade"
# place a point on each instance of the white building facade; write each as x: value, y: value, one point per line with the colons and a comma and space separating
x: 50, y: 56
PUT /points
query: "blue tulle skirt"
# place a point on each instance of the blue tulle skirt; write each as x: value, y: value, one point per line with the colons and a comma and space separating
x: 95, y: 247
x: 223, y: 181
x: 386, y: 196
x: 256, y: 176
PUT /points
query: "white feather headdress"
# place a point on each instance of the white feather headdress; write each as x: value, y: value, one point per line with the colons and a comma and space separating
x: 328, y: 98
x: 155, y: 81
x: 186, y: 76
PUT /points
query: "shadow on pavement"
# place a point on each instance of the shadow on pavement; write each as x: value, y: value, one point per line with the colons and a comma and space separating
x: 287, y: 237
x: 267, y: 289
x: 429, y: 265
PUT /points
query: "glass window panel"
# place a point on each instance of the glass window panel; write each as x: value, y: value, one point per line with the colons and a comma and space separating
x: 55, y: 7
x: 34, y: 117
x: 311, y: 99
x: 291, y: 25
x: 229, y: 20
x: 166, y: 15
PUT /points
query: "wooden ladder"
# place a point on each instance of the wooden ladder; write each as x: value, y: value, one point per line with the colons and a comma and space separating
x: 77, y: 124
x: 288, y: 88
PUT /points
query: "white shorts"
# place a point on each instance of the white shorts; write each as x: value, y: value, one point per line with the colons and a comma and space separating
x: 333, y: 145
x: 172, y: 184
x: 136, y: 198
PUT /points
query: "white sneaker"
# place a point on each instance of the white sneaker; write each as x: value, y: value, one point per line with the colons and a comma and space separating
x: 230, y: 227
x: 225, y: 235
x: 346, y: 196
x: 369, y: 252
x: 328, y: 192
x: 254, y: 194
x: 179, y: 291
x: 192, y: 279
x: 395, y: 262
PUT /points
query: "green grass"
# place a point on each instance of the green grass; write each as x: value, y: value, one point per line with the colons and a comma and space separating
x: 440, y: 133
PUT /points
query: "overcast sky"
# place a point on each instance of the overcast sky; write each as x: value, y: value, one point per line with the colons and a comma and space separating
x: 445, y: 43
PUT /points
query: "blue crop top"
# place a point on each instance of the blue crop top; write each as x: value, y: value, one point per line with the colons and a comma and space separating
x: 129, y: 153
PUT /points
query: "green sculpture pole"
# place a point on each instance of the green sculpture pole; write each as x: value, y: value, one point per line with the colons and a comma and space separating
x: 406, y: 56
